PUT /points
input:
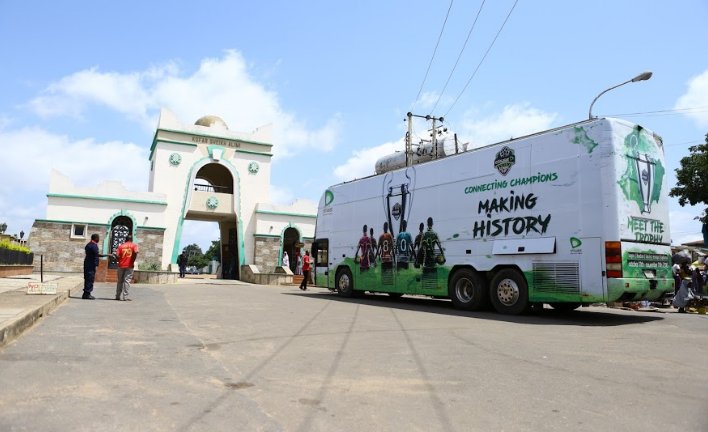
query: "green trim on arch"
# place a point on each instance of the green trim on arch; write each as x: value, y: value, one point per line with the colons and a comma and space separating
x: 99, y: 198
x: 93, y: 223
x: 237, y: 201
x: 277, y: 213
x: 155, y: 140
x: 253, y: 152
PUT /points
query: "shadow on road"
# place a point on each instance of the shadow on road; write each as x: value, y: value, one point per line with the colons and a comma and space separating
x: 590, y: 316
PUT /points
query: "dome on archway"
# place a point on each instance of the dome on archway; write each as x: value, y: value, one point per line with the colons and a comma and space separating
x: 212, y: 121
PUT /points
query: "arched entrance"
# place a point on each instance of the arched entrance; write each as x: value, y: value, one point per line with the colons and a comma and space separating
x: 121, y: 227
x: 213, y: 200
x: 291, y: 238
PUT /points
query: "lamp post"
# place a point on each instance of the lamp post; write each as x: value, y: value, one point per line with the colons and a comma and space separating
x: 641, y: 77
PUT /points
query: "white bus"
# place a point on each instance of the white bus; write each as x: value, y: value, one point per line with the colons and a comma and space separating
x: 570, y: 216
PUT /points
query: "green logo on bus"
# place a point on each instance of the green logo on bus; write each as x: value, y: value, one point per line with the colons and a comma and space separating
x: 575, y: 242
x: 329, y: 197
x: 644, y: 175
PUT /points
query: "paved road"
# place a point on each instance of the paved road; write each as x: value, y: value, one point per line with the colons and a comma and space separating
x: 213, y: 356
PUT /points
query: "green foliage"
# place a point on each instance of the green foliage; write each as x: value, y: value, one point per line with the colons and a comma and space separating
x: 7, y: 244
x: 198, y: 261
x: 192, y: 249
x: 214, y: 252
x: 149, y: 266
x: 692, y: 178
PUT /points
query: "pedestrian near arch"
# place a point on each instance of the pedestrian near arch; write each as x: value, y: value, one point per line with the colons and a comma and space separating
x: 305, y: 270
x: 90, y: 264
x: 126, y: 255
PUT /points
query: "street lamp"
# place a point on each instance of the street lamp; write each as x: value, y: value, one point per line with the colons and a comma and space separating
x: 641, y: 77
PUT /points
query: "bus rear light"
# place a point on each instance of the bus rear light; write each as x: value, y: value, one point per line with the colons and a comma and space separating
x: 613, y: 259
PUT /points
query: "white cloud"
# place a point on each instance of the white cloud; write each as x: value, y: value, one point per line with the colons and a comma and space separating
x: 220, y: 86
x: 31, y: 153
x: 361, y: 163
x: 427, y: 101
x: 34, y: 152
x: 513, y: 121
x: 696, y: 97
x: 281, y: 195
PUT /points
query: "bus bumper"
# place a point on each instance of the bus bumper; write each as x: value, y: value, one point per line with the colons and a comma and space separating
x: 626, y: 289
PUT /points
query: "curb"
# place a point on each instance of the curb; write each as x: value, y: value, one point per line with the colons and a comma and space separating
x: 15, y: 328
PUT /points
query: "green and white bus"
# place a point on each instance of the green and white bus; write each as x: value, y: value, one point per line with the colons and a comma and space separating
x: 570, y: 216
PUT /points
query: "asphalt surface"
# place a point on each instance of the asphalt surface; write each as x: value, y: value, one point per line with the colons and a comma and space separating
x: 216, y: 355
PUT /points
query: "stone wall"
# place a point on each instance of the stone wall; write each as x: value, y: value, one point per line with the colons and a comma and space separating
x: 153, y: 277
x: 266, y: 252
x: 150, y: 242
x: 64, y: 254
x: 61, y: 252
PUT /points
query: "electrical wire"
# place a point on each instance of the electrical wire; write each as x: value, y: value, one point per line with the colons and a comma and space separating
x: 420, y: 90
x: 469, y: 33
x: 483, y: 57
x: 662, y: 112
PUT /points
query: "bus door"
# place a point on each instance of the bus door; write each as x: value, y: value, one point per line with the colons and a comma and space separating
x: 592, y: 281
x: 320, y: 254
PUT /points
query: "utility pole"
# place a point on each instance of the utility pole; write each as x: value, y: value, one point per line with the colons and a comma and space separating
x: 409, y: 145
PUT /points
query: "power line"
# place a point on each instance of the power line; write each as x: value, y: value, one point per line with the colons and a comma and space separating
x: 420, y: 90
x: 663, y: 112
x: 483, y: 57
x: 479, y: 11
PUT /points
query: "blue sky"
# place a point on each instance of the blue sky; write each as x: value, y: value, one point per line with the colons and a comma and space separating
x: 82, y: 82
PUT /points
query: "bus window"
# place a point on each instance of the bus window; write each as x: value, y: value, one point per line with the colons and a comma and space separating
x: 320, y: 252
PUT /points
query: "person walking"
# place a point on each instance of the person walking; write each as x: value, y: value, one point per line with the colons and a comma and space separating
x: 90, y: 264
x: 126, y: 255
x: 305, y: 270
x: 182, y: 263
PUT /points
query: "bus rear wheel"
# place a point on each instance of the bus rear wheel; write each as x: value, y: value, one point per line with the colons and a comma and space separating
x: 509, y: 292
x: 467, y: 290
x: 345, y: 283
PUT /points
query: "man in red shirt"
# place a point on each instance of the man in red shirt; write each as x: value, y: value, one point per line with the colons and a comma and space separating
x: 306, y: 264
x: 125, y: 254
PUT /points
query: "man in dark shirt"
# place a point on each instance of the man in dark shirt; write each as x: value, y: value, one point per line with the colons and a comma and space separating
x: 90, y: 264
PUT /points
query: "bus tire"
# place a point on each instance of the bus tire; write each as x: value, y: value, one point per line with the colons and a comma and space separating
x: 345, y: 282
x: 509, y: 292
x: 564, y: 307
x: 468, y: 290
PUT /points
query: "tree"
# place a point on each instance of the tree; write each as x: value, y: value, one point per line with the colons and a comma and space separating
x: 195, y: 257
x: 214, y: 252
x: 692, y: 179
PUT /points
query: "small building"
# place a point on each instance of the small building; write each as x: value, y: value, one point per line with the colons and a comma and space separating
x: 203, y: 172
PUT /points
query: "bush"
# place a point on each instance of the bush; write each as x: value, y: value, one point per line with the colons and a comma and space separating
x: 149, y: 266
x: 7, y: 244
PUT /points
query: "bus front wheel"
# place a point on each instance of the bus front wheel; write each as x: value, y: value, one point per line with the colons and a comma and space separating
x: 509, y: 292
x: 467, y: 290
x: 345, y: 283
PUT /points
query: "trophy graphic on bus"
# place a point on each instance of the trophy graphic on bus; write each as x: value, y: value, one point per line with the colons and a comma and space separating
x: 645, y: 178
x: 645, y: 171
x: 397, y: 197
